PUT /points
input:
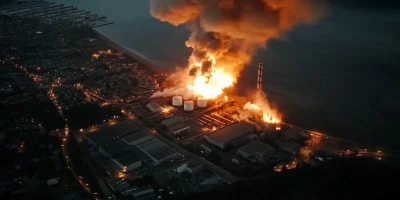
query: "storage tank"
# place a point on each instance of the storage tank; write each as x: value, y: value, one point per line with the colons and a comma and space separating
x: 177, y: 100
x: 188, y: 106
x: 201, y: 102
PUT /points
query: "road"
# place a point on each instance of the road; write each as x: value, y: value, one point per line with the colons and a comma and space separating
x: 72, y: 169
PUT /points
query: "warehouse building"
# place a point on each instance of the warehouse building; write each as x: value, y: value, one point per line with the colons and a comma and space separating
x: 113, y: 148
x: 258, y: 152
x: 290, y: 147
x: 129, y: 190
x: 194, y: 167
x: 136, y: 138
x: 297, y: 134
x: 109, y: 133
x: 226, y: 136
x: 118, y: 184
x: 144, y: 193
x: 154, y: 107
x: 172, y: 120
x: 127, y: 161
x: 157, y: 151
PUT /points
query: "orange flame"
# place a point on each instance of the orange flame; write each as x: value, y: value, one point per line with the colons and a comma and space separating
x: 211, y: 84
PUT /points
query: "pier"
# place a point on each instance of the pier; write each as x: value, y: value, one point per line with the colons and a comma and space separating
x: 50, y: 12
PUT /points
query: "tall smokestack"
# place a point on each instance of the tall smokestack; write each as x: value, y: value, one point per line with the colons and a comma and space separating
x: 260, y: 76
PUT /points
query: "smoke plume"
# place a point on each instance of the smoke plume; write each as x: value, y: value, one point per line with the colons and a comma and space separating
x: 232, y: 30
x: 260, y: 111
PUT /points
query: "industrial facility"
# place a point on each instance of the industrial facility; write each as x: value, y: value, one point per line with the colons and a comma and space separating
x: 136, y: 138
x: 228, y: 135
x: 154, y: 107
x: 258, y: 152
x: 110, y: 132
x: 113, y: 148
x: 127, y: 161
x: 157, y: 151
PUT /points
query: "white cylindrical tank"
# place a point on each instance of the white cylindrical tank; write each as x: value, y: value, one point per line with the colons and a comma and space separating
x: 201, y: 102
x: 177, y: 100
x: 188, y: 105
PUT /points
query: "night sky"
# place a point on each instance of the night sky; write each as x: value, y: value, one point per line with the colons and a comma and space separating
x: 338, y: 76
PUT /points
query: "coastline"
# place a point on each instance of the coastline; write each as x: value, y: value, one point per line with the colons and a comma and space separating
x: 132, y: 53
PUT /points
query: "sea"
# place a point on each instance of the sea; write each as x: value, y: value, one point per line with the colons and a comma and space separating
x: 339, y: 76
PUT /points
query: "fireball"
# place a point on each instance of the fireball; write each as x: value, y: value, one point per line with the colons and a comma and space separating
x: 211, y: 84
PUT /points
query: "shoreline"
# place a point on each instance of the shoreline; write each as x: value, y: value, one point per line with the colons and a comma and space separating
x: 132, y: 53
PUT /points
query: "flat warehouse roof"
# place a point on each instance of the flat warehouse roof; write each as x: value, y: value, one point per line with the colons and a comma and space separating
x: 114, y: 147
x: 127, y: 158
x: 232, y: 132
x: 110, y: 132
x: 156, y: 149
x: 135, y: 136
x: 255, y: 147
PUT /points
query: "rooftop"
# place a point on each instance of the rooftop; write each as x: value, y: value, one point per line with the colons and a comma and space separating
x: 118, y: 182
x: 127, y: 158
x: 193, y: 164
x: 173, y: 120
x: 154, y: 107
x: 146, y: 192
x: 156, y: 149
x: 110, y: 132
x: 135, y: 136
x: 232, y: 132
x: 256, y: 147
x: 114, y: 147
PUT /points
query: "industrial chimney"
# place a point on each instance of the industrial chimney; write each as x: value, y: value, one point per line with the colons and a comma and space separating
x: 260, y: 76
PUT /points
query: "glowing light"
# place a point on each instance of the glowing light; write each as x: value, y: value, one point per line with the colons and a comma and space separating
x: 211, y: 84
x: 226, y: 98
x: 267, y: 116
x: 166, y: 110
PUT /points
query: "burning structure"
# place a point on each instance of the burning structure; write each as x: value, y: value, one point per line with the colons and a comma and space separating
x: 225, y: 35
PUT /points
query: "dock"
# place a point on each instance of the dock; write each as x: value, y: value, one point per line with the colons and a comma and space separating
x: 51, y: 12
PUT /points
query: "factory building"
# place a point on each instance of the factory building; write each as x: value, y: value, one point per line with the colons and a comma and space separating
x: 109, y: 133
x: 127, y: 161
x: 178, y: 129
x: 112, y: 148
x: 172, y: 120
x: 129, y: 190
x: 192, y: 167
x: 144, y: 193
x: 290, y: 147
x: 257, y: 152
x: 154, y: 107
x: 227, y: 135
x: 110, y: 167
x: 296, y: 134
x: 157, y: 151
x: 118, y: 184
x: 136, y: 138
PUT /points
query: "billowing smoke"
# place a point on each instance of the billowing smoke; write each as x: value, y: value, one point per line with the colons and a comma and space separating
x: 232, y: 30
x: 260, y: 111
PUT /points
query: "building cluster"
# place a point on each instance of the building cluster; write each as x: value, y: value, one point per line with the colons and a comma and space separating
x: 125, y: 148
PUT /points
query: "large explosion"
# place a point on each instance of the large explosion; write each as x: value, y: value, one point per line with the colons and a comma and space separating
x: 225, y: 35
